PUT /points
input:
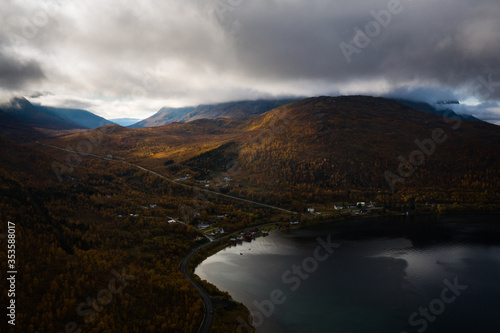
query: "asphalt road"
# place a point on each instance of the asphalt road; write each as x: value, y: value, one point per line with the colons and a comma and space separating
x: 207, y: 301
x: 173, y: 181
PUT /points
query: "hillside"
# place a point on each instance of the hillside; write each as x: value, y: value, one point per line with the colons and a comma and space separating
x: 335, y: 146
x: 79, y: 117
x: 23, y: 121
x: 100, y: 214
x: 103, y: 219
x: 233, y: 110
x: 11, y: 127
x: 324, y: 150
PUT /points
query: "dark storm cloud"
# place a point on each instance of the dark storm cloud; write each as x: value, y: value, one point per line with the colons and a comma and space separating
x: 15, y: 73
x: 448, y: 43
x: 136, y: 56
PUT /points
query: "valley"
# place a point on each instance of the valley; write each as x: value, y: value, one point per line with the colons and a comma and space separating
x: 105, y: 199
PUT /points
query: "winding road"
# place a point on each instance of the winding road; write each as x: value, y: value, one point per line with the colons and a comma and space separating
x: 207, y: 301
x: 183, y: 266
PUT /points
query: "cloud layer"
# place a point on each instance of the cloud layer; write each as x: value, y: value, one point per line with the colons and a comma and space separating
x: 129, y: 58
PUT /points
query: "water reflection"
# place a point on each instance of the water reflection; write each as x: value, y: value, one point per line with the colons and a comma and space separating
x: 384, y: 271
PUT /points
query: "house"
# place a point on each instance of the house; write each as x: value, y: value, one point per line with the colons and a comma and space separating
x: 310, y: 210
x: 338, y: 207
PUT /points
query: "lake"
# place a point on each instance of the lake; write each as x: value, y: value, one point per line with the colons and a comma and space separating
x: 395, y: 274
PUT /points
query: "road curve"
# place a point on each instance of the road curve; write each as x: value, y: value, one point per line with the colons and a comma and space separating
x: 183, y: 266
x: 207, y: 302
x: 173, y: 181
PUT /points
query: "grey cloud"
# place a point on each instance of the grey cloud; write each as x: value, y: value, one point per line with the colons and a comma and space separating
x: 185, y: 52
x: 445, y: 42
x: 16, y: 73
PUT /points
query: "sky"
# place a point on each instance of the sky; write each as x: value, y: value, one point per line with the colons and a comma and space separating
x: 129, y: 58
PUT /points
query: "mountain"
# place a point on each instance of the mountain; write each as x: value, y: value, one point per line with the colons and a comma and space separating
x: 125, y: 121
x: 351, y: 142
x: 81, y: 118
x: 11, y: 127
x: 23, y: 121
x: 245, y: 109
x: 35, y: 116
x: 325, y: 149
x: 234, y: 110
x: 164, y: 116
x: 442, y: 110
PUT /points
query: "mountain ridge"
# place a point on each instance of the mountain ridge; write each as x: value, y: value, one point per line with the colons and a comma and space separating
x: 324, y: 149
x: 23, y: 121
x: 233, y: 110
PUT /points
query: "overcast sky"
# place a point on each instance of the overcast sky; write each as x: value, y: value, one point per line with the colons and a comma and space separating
x: 128, y: 58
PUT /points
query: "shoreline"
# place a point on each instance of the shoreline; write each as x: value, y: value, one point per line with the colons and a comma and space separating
x: 211, y: 248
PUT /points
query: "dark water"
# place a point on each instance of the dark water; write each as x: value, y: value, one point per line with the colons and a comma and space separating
x: 404, y: 274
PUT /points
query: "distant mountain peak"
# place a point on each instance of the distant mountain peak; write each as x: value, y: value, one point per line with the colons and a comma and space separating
x: 19, y: 116
x: 232, y: 110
